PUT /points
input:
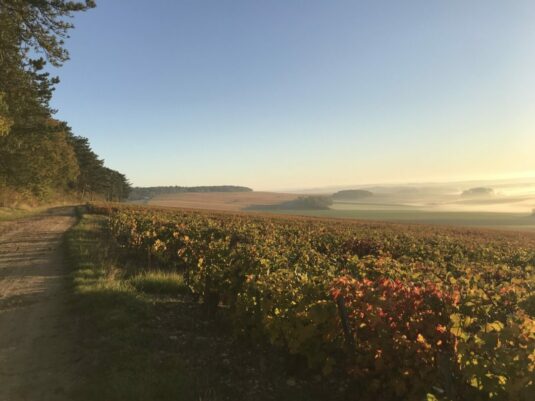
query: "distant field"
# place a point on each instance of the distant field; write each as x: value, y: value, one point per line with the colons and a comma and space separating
x: 233, y: 201
x: 379, y: 211
x: 509, y: 221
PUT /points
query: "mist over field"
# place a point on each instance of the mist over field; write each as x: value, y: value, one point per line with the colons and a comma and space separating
x: 502, y: 196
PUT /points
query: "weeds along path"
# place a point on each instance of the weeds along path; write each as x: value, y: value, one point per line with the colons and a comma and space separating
x: 36, y: 361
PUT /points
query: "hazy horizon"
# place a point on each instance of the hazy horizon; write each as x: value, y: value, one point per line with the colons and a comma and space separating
x: 464, y: 183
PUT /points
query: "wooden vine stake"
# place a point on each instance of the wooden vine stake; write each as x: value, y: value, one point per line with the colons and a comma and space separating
x: 348, y: 334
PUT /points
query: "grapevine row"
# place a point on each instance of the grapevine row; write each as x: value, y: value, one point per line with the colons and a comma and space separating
x: 401, y: 312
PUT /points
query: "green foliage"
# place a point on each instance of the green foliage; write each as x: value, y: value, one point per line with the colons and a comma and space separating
x: 399, y: 312
x: 42, y: 25
x: 5, y: 121
x: 159, y: 282
x: 94, y: 178
x: 122, y: 350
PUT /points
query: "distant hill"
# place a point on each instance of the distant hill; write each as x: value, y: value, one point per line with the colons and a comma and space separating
x: 352, y: 194
x: 145, y: 193
x: 308, y: 202
x: 478, y: 192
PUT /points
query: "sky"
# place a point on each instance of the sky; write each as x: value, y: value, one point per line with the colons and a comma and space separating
x: 282, y: 94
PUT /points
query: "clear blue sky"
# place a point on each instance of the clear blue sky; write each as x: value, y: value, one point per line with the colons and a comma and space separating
x: 291, y: 94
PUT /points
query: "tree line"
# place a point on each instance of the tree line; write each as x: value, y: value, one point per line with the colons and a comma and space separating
x: 144, y: 193
x: 40, y: 157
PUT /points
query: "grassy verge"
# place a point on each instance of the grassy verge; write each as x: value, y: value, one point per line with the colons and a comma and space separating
x: 143, y: 338
x: 14, y: 213
x: 8, y: 213
x: 123, y: 355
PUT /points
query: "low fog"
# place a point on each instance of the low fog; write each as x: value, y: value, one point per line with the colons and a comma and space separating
x: 506, y: 196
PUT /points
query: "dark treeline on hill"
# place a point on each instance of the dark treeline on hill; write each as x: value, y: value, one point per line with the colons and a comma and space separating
x: 143, y: 193
x: 308, y: 202
x: 352, y: 194
x: 40, y: 157
x: 478, y: 192
x: 317, y: 202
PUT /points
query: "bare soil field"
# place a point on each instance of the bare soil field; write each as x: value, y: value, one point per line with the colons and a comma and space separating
x: 220, y: 200
x: 36, y: 362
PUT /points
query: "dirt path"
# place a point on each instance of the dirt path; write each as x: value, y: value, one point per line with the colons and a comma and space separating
x: 36, y: 358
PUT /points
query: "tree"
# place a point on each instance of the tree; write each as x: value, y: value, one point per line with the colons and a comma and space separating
x: 6, y: 122
x: 94, y: 178
x: 116, y: 185
x: 38, y: 154
x: 90, y: 165
x: 28, y: 28
x: 42, y: 25
x: 39, y: 163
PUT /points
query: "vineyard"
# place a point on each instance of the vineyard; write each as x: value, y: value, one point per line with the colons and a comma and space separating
x: 391, y: 311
